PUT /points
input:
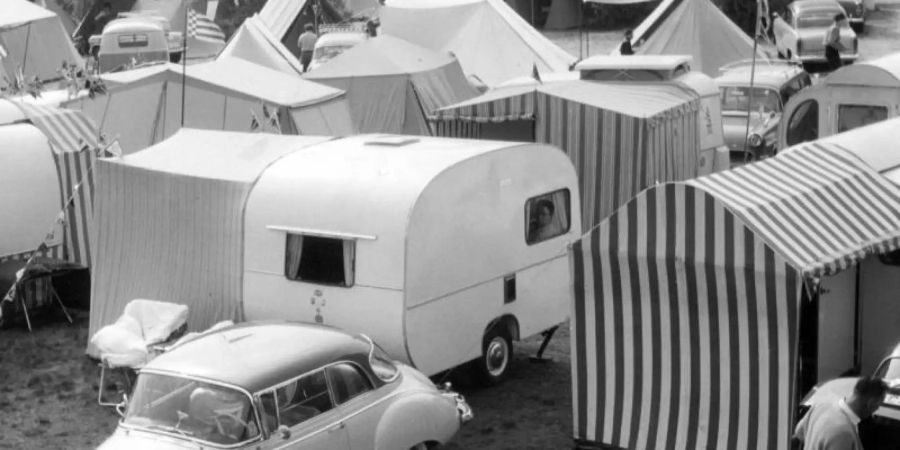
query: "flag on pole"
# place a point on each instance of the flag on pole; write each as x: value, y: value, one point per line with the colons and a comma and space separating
x: 203, y: 28
x: 762, y: 20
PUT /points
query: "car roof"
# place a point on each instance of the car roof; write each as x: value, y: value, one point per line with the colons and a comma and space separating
x: 765, y: 75
x: 803, y: 6
x: 340, y: 38
x: 259, y: 355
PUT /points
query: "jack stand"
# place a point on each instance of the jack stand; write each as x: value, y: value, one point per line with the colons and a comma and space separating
x: 539, y: 357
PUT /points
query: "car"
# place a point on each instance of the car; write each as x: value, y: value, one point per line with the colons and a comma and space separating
x: 883, y: 429
x: 264, y: 385
x: 800, y: 32
x: 856, y: 13
x: 773, y: 83
x: 332, y: 44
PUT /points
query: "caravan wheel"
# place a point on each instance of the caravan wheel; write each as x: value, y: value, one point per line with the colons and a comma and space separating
x: 497, y: 349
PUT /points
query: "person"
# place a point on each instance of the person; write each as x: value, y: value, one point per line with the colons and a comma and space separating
x: 307, y: 44
x: 626, y: 47
x: 832, y: 42
x: 833, y: 425
x: 372, y: 27
x: 542, y: 225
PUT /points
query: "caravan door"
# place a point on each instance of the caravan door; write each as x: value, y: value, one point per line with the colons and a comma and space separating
x: 837, y: 324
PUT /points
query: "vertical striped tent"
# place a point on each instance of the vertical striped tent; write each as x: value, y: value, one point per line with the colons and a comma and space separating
x: 73, y: 138
x: 686, y: 299
x: 621, y: 137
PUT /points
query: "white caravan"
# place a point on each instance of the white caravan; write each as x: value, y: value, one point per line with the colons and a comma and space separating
x: 430, y: 246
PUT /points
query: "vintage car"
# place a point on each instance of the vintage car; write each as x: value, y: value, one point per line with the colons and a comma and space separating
x: 882, y: 430
x: 800, y: 31
x: 774, y: 82
x: 284, y: 385
x: 334, y: 40
x: 856, y: 13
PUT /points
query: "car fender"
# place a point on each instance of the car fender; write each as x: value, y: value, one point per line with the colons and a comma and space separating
x: 416, y: 417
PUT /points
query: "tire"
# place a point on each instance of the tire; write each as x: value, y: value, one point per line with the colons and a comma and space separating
x: 496, y: 356
x: 419, y: 446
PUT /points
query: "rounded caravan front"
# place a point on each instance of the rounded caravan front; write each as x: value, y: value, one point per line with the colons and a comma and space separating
x: 850, y: 97
x: 421, y: 243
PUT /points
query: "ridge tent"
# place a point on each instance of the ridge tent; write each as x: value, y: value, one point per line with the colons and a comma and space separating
x: 253, y: 42
x: 621, y: 137
x: 697, y: 304
x: 33, y: 40
x: 697, y: 28
x: 491, y: 40
x: 226, y: 94
x: 48, y: 159
x: 177, y: 248
x: 392, y: 84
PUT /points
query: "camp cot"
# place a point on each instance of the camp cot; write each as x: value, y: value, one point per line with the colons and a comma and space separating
x: 492, y: 42
x: 851, y: 96
x: 392, y: 85
x: 703, y: 309
x: 33, y: 41
x: 621, y: 137
x: 145, y: 106
x: 421, y: 243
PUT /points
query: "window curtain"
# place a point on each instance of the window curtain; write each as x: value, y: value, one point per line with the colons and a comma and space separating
x: 349, y: 259
x: 293, y: 252
x: 560, y: 201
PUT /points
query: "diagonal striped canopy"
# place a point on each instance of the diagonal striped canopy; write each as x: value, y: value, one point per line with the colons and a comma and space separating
x: 818, y: 205
x: 497, y: 105
x: 68, y: 130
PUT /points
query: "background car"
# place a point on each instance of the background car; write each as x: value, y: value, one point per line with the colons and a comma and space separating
x: 882, y: 430
x: 284, y: 385
x: 856, y: 13
x: 332, y: 44
x: 773, y: 83
x: 800, y: 31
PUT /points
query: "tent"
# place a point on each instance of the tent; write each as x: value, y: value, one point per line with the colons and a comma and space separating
x: 33, y: 40
x: 47, y: 169
x: 691, y: 302
x: 226, y: 94
x: 392, y: 84
x: 491, y: 41
x: 255, y: 43
x: 196, y: 247
x: 697, y: 28
x: 622, y: 137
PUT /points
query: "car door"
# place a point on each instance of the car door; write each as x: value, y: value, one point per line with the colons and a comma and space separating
x: 360, y: 404
x: 304, y: 416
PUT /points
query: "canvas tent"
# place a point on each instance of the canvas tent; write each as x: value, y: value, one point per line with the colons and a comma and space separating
x: 255, y: 43
x: 392, y: 84
x: 622, y: 137
x: 48, y: 157
x: 491, y: 41
x: 33, y: 40
x: 697, y: 28
x: 226, y: 94
x: 146, y: 208
x: 686, y: 324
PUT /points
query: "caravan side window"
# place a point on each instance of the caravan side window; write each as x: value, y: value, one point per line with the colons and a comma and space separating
x: 803, y: 125
x: 855, y: 116
x: 547, y: 216
x: 322, y: 260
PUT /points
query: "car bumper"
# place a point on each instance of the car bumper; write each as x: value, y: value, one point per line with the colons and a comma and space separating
x: 463, y: 409
x: 821, y: 57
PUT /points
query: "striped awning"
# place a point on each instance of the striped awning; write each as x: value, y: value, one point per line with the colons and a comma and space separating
x: 68, y: 130
x: 497, y: 105
x: 818, y: 205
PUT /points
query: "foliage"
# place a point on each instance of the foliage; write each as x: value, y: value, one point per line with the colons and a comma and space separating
x: 743, y: 12
x: 603, y: 16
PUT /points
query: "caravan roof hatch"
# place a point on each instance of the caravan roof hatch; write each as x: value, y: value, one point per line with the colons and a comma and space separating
x: 634, y: 67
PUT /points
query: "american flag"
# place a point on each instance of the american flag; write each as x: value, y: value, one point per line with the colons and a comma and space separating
x: 201, y: 27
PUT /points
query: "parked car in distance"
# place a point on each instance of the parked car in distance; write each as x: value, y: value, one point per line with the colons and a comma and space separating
x: 134, y: 39
x: 773, y: 83
x: 800, y: 31
x: 883, y: 429
x: 332, y: 44
x: 856, y: 13
x: 265, y: 385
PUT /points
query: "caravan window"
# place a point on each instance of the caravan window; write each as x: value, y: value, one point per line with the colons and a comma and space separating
x: 855, y: 116
x: 547, y: 216
x: 803, y: 125
x: 317, y: 259
x: 133, y: 40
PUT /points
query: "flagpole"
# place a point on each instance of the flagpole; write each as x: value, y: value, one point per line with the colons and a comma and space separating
x: 752, y: 77
x: 184, y: 61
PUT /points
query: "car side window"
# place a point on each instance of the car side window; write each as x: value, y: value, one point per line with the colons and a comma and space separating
x: 269, y: 411
x: 303, y: 399
x: 347, y: 381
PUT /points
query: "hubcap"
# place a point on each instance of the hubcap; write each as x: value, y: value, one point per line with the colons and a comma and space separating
x: 497, y: 356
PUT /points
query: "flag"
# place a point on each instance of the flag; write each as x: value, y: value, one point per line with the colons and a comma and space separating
x: 762, y: 19
x: 203, y: 28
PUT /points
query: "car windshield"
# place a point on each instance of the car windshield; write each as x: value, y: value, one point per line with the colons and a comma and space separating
x: 818, y: 20
x: 739, y: 99
x: 326, y: 53
x: 191, y: 409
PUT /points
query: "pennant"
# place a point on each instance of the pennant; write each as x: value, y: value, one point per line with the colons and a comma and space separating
x: 254, y: 121
x: 535, y: 74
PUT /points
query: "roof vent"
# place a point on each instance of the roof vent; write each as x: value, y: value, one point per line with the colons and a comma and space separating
x: 392, y: 141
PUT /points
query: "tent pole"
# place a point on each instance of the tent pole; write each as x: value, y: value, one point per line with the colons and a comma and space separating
x: 752, y: 77
x: 184, y: 61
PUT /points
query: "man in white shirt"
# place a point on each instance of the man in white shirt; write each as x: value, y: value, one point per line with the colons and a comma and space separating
x: 833, y: 425
x: 307, y: 44
x: 832, y: 42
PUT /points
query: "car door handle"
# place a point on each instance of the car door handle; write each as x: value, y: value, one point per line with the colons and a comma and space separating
x: 337, y: 427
